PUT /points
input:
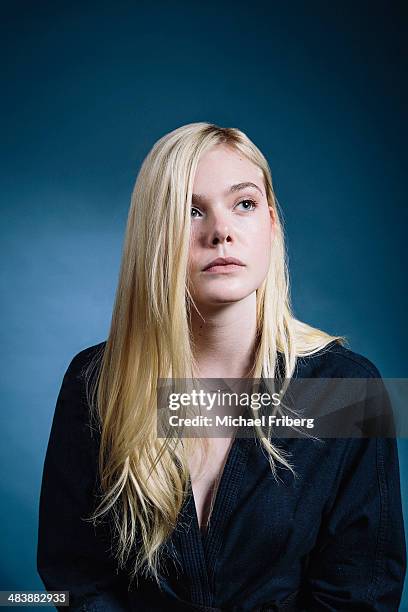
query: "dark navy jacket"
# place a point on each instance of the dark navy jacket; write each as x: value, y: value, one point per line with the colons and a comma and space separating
x: 331, y: 539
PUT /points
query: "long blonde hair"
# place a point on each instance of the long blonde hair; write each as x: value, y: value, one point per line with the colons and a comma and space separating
x: 144, y: 480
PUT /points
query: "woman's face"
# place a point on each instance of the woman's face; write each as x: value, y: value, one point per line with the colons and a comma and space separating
x: 230, y: 218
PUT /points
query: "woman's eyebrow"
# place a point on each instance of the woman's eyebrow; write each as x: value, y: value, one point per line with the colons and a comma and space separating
x: 198, y: 198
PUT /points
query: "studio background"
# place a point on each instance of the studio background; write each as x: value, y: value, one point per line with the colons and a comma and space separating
x: 88, y: 87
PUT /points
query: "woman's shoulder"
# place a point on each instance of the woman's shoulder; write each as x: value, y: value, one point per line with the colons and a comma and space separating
x: 336, y: 360
x: 84, y: 359
x: 78, y: 378
x: 73, y: 420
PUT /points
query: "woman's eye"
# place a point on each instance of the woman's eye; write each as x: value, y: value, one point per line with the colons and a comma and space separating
x: 195, y: 212
x: 248, y: 204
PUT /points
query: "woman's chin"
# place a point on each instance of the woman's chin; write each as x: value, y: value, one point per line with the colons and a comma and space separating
x: 221, y: 297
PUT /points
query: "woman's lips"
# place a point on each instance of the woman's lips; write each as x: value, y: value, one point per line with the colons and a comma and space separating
x: 223, y: 269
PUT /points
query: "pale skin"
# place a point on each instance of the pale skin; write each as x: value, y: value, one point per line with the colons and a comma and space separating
x: 240, y: 224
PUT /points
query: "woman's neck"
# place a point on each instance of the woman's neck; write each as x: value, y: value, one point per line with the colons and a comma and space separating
x: 224, y: 338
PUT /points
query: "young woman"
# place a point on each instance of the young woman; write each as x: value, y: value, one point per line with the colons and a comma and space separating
x: 132, y: 521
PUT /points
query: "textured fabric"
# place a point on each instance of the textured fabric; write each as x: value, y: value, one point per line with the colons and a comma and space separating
x: 330, y: 539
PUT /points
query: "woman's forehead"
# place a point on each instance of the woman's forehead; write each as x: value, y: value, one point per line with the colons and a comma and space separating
x: 222, y: 168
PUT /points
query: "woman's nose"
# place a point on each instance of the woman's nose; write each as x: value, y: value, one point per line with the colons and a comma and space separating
x: 220, y: 235
x: 219, y: 228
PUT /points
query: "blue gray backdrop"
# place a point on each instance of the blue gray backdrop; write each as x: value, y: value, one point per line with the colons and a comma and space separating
x: 88, y: 87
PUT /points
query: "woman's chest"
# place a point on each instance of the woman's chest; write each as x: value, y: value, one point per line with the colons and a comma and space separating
x: 260, y: 525
x: 206, y: 477
x: 239, y: 492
